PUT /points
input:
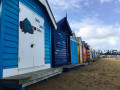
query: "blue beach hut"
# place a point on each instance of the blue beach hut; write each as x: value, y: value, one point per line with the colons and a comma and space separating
x: 74, y: 53
x: 25, y: 36
x: 61, y: 43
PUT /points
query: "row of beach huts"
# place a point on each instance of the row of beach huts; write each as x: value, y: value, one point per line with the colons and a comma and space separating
x: 34, y: 46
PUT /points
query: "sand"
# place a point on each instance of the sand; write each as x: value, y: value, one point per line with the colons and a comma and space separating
x: 103, y: 74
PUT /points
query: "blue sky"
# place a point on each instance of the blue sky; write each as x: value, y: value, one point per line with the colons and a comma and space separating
x: 96, y: 21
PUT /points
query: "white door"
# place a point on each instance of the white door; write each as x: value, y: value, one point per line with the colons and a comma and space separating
x: 25, y: 37
x: 31, y: 38
x: 39, y: 49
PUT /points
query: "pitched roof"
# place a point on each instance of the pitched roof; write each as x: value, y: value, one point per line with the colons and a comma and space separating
x: 47, y: 6
x: 78, y: 40
x: 65, y: 20
x: 89, y: 46
x: 83, y: 43
x: 86, y: 44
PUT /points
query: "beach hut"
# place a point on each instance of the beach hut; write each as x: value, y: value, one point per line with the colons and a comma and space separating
x: 84, y: 51
x: 74, y: 53
x: 80, y: 49
x: 94, y: 54
x: 91, y: 54
x: 97, y: 56
x: 25, y: 36
x: 88, y: 53
x: 61, y: 54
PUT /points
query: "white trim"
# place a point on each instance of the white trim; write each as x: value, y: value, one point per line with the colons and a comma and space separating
x: 10, y: 72
x: 73, y: 40
x: 81, y: 42
x: 44, y: 2
x: 16, y: 71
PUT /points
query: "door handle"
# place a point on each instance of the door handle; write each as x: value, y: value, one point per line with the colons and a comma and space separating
x: 32, y: 45
x: 34, y: 28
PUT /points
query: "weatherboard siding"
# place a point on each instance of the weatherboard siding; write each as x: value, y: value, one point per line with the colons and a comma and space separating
x: 1, y: 45
x: 88, y: 54
x: 74, y: 53
x: 10, y: 29
x: 0, y: 20
x: 61, y: 44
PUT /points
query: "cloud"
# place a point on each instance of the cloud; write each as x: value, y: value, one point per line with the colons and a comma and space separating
x: 86, y: 23
x: 105, y: 43
x: 97, y: 33
x: 65, y: 4
x: 102, y: 1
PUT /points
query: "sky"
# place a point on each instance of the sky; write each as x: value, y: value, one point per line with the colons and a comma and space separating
x: 96, y: 21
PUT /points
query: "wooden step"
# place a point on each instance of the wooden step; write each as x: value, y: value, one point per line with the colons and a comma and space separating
x: 31, y: 78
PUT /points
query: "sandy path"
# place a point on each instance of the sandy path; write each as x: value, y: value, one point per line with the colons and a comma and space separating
x: 101, y: 75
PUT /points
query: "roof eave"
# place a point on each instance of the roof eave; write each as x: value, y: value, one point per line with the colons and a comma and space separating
x: 47, y: 6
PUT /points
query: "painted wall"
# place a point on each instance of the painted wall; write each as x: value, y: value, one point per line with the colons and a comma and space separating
x: 80, y: 49
x: 1, y: 67
x: 81, y: 52
x: 10, y: 27
x: 88, y: 54
x: 94, y: 54
x: 61, y: 44
x: 91, y: 54
x: 74, y: 53
x: 84, y: 53
x: 0, y: 16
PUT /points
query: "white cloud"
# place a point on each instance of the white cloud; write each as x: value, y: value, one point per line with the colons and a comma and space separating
x: 102, y: 1
x: 96, y: 33
x: 65, y: 4
x: 113, y: 40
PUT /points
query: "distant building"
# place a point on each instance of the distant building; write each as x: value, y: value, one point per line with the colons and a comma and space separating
x: 118, y: 52
x: 114, y: 51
